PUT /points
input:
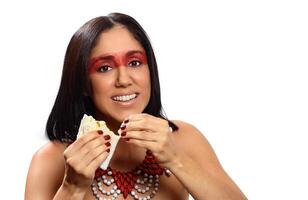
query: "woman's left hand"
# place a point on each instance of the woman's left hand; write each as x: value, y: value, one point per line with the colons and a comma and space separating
x: 152, y: 133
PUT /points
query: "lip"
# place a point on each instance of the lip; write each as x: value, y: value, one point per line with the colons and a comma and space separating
x: 125, y: 94
x: 126, y: 103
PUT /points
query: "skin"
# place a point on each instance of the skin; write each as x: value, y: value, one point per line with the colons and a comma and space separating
x: 68, y: 171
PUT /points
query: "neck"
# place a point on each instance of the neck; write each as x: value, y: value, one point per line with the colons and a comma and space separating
x: 129, y: 154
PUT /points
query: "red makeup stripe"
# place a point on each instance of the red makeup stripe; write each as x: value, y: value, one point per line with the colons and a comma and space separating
x: 117, y: 59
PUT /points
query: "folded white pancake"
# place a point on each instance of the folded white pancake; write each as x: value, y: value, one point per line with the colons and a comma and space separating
x: 88, y: 124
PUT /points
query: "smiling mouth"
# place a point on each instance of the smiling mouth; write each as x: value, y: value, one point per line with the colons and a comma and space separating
x: 125, y: 98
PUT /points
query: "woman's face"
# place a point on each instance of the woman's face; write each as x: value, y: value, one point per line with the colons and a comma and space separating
x: 119, y: 75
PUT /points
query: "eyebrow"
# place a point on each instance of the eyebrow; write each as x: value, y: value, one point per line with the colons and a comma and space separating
x: 110, y: 57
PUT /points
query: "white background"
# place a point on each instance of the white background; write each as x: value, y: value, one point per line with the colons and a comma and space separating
x: 237, y: 70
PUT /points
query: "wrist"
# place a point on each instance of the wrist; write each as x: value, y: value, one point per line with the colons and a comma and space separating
x: 74, y: 189
x: 175, y: 164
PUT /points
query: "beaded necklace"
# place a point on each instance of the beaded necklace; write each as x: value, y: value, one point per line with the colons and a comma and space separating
x: 141, y: 183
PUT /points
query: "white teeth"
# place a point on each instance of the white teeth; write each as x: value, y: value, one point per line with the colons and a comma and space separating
x: 125, y: 97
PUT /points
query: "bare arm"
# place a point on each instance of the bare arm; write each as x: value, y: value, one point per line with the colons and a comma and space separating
x: 57, y: 172
x: 186, y: 153
x: 198, y: 168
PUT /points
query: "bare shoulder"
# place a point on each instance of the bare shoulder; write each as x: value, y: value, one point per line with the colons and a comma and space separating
x: 195, y: 144
x: 46, y: 171
x: 49, y: 156
x: 188, y: 133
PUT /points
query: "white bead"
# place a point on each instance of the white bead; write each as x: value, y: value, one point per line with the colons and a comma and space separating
x: 139, y: 171
x: 108, y: 193
x: 136, y: 187
x: 151, y: 176
x: 115, y: 187
x: 143, y: 191
x: 146, y: 175
x: 133, y: 193
x: 112, y: 180
x: 112, y: 191
x: 139, y: 190
x: 109, y: 173
x: 108, y: 183
x: 119, y: 191
x: 147, y: 188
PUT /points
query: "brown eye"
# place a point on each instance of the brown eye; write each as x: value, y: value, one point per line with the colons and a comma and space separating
x: 134, y: 63
x: 104, y: 68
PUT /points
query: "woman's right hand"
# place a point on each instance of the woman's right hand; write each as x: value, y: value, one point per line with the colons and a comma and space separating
x: 83, y: 157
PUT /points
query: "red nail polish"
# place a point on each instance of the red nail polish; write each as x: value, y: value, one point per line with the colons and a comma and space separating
x: 108, y: 144
x: 107, y: 137
x: 126, y: 121
x: 100, y: 132
x: 108, y: 150
x: 123, y: 127
x: 123, y: 133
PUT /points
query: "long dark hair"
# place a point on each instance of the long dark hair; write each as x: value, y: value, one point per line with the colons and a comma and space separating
x: 71, y: 102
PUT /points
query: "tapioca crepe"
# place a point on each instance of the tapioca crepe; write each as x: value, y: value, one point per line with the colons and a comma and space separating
x: 88, y: 124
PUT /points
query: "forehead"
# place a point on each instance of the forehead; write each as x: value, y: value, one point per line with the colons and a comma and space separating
x: 115, y: 40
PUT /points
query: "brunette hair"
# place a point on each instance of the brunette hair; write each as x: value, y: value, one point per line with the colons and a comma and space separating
x: 71, y: 102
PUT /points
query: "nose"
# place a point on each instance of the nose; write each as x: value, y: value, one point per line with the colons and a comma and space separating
x: 123, y: 77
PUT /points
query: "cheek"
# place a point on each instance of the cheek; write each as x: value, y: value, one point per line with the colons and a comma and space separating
x: 99, y: 87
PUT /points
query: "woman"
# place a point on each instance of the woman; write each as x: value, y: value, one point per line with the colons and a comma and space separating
x: 110, y: 72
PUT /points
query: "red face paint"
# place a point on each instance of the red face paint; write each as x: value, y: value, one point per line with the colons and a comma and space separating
x: 116, y: 60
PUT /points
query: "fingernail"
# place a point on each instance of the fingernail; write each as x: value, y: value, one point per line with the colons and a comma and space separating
x: 108, y: 150
x: 123, y: 127
x: 126, y: 121
x: 100, y: 132
x: 123, y: 133
x: 107, y: 144
x: 107, y: 137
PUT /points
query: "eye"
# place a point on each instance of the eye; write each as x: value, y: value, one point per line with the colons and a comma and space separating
x: 104, y: 68
x: 134, y: 63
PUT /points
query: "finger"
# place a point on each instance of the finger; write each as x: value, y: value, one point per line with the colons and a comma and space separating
x: 94, y: 153
x: 140, y: 135
x: 92, y: 144
x: 149, y: 124
x: 150, y: 145
x: 96, y: 162
x: 80, y: 142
